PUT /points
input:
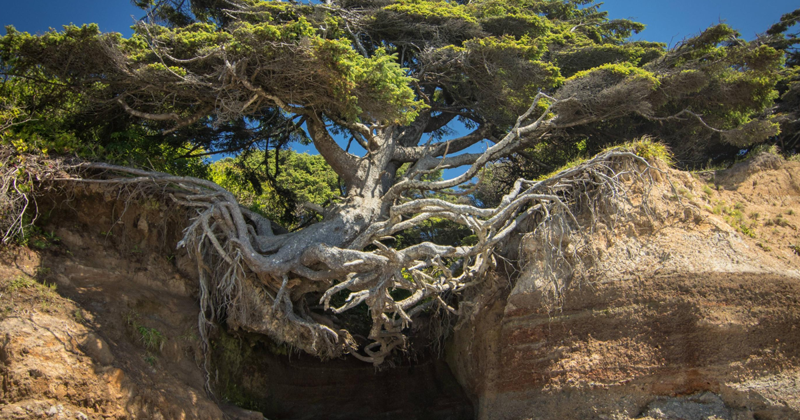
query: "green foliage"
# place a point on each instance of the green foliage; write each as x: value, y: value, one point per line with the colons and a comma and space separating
x: 502, y: 17
x: 150, y: 338
x: 623, y: 70
x: 20, y: 282
x: 78, y: 315
x: 552, y: 158
x: 274, y: 186
x: 647, y: 148
x: 581, y: 58
x: 50, y: 118
x: 376, y: 84
x: 779, y: 221
x: 231, y: 353
x: 437, y: 230
x: 734, y: 216
x: 44, y: 292
x: 199, y: 80
x: 434, y: 11
x: 370, y: 88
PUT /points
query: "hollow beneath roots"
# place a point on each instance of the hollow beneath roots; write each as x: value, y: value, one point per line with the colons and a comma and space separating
x: 116, y: 259
x: 256, y: 374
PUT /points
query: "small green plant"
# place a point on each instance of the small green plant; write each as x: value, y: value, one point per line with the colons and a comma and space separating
x: 151, y: 359
x: 649, y: 149
x: 778, y: 221
x: 735, y: 218
x: 21, y: 282
x: 790, y: 212
x: 708, y: 191
x: 684, y: 192
x: 746, y: 230
x: 46, y: 292
x: 754, y: 215
x: 795, y: 248
x: 131, y: 318
x: 39, y: 244
x: 28, y: 231
x: 762, y: 148
x: 151, y: 338
x: 77, y: 314
x: 765, y: 247
x: 33, y: 236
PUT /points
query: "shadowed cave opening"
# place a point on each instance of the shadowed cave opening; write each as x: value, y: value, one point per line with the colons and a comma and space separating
x: 255, y: 373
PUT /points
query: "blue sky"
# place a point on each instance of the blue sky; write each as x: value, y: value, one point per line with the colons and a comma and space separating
x: 672, y: 20
x: 667, y: 20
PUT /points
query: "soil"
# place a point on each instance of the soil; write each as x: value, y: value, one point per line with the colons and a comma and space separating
x: 695, y: 318
x: 98, y: 320
x: 760, y: 198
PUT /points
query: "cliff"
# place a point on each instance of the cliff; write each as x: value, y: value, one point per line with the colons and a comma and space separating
x: 689, y: 312
x: 683, y: 303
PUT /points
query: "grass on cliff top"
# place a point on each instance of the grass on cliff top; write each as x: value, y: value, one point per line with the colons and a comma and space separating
x: 644, y: 147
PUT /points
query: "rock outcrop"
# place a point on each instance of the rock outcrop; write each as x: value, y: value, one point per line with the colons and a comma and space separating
x: 690, y: 313
x: 687, y: 308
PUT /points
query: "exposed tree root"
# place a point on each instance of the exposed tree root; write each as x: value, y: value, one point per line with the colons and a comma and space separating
x: 20, y: 177
x: 284, y: 285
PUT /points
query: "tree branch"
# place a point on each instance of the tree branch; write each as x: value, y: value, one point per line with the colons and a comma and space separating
x: 510, y: 142
x: 440, y: 121
x: 343, y: 163
x: 411, y: 154
x: 148, y: 116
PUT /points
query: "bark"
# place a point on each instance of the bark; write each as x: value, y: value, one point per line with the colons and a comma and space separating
x: 285, y: 284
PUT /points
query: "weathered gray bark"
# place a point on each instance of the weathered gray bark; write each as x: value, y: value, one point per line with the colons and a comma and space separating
x: 263, y: 279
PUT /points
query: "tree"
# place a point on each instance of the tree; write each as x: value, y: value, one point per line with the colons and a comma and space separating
x: 392, y: 76
x: 288, y: 191
x: 781, y: 37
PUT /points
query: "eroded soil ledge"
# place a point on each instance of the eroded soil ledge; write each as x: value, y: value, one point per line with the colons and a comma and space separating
x: 693, y: 316
x: 101, y: 321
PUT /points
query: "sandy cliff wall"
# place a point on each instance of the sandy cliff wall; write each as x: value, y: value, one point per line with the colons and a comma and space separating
x: 688, y: 317
x: 692, y: 312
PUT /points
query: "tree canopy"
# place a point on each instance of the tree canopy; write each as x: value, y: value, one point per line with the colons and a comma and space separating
x: 538, y: 80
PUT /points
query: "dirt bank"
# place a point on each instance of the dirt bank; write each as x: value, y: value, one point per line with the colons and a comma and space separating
x: 691, y: 312
x: 98, y: 320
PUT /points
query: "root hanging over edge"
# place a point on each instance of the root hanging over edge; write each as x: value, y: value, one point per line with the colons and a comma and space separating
x: 283, y: 285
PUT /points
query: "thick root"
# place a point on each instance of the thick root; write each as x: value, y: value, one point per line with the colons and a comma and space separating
x: 284, y: 285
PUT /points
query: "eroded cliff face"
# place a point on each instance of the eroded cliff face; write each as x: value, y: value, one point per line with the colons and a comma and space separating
x: 98, y: 321
x: 683, y: 316
x: 678, y: 313
x: 99, y: 317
